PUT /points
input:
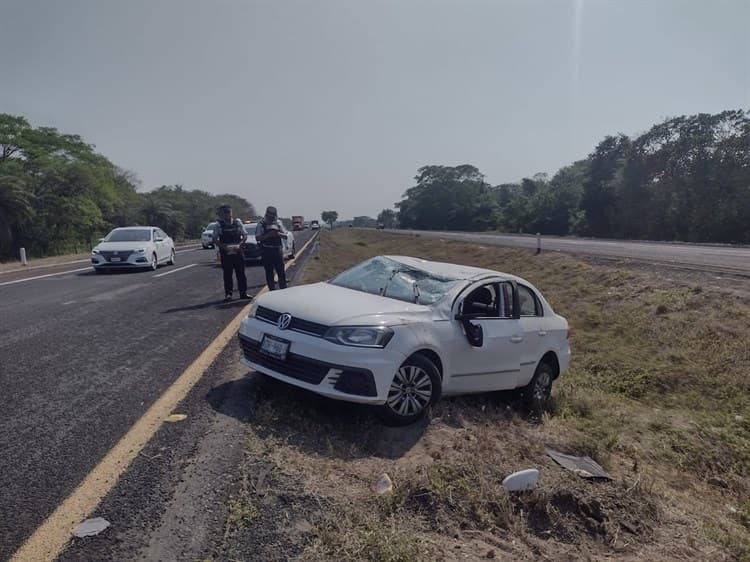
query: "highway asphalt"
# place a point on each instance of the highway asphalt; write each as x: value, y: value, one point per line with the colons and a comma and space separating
x: 82, y: 357
x: 729, y: 259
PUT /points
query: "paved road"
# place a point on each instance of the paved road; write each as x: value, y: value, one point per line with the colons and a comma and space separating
x: 719, y: 258
x: 82, y: 357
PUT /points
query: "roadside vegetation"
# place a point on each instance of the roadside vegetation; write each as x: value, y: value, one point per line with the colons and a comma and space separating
x: 685, y: 179
x: 58, y: 195
x: 657, y: 393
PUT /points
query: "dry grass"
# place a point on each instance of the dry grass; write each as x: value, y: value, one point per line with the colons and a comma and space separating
x: 657, y: 393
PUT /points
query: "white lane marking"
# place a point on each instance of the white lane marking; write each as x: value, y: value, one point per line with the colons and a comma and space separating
x: 175, y: 270
x: 43, y: 276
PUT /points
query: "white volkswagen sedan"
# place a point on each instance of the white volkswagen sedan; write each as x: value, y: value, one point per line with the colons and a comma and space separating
x: 133, y: 247
x: 398, y: 332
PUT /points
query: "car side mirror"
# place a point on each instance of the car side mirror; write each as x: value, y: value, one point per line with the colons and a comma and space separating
x: 474, y: 333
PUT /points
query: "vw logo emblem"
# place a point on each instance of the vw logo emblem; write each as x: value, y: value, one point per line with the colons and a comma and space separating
x: 284, y: 321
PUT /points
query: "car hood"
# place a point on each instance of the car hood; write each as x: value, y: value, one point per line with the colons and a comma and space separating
x: 331, y: 305
x: 121, y: 246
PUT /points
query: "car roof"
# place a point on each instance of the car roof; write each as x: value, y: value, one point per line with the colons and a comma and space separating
x: 450, y: 270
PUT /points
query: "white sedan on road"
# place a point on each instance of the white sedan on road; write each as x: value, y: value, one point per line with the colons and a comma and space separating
x: 398, y: 332
x: 133, y: 247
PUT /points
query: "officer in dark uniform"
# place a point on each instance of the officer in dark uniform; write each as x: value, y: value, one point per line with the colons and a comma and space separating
x: 229, y: 234
x: 270, y: 237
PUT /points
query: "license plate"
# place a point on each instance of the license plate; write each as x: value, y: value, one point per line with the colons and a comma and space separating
x: 115, y: 259
x: 274, y: 347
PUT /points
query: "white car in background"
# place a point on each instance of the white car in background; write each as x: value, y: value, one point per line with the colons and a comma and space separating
x: 398, y: 332
x: 251, y: 249
x: 207, y: 237
x: 133, y: 247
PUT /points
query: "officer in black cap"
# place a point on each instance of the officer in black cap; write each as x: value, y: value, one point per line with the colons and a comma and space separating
x: 270, y: 237
x: 230, y: 234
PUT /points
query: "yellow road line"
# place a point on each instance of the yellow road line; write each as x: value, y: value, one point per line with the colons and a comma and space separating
x: 55, y: 532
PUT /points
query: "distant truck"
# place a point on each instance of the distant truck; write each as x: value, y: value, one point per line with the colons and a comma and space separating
x: 298, y: 222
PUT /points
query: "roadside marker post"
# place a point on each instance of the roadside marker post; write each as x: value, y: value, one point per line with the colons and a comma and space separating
x: 538, y: 243
x: 23, y: 257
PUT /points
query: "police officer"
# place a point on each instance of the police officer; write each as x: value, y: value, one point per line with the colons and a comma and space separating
x: 229, y: 234
x: 270, y: 237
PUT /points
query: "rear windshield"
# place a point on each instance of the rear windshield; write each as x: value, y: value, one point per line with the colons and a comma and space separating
x: 388, y: 278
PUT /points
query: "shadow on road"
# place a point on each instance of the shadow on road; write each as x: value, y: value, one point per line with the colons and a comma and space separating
x: 218, y: 305
x: 314, y: 424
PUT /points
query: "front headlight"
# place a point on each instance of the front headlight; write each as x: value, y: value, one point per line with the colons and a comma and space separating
x: 253, y: 309
x: 140, y: 250
x: 360, y: 336
x: 95, y: 251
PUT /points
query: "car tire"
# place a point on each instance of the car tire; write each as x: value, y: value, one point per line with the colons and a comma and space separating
x: 171, y: 258
x: 404, y: 406
x: 204, y: 246
x: 536, y: 395
x: 154, y: 262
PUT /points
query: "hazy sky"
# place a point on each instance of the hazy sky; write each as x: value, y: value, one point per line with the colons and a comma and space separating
x: 324, y: 104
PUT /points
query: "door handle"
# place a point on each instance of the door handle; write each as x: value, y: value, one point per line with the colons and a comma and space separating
x: 542, y: 333
x: 516, y: 339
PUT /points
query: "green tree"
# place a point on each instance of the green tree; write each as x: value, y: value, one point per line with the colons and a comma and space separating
x: 330, y: 217
x: 15, y: 210
x: 388, y: 218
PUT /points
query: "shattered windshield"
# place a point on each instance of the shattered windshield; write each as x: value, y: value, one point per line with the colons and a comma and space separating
x: 392, y: 279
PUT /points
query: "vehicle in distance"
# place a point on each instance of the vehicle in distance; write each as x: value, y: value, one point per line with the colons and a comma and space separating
x: 306, y: 225
x: 133, y: 247
x: 380, y: 226
x: 298, y: 222
x: 207, y: 237
x: 315, y: 225
x: 251, y: 249
x: 398, y: 332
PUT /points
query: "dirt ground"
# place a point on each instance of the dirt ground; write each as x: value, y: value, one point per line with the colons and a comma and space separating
x: 657, y: 393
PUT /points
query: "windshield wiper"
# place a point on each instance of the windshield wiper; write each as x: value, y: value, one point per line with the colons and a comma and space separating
x: 384, y: 290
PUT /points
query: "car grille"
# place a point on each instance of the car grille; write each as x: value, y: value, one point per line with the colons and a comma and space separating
x: 297, y: 324
x: 123, y: 255
x: 295, y: 366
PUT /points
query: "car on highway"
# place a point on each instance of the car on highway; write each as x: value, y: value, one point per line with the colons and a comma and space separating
x: 315, y: 225
x: 251, y: 249
x: 399, y: 332
x: 133, y: 247
x: 207, y: 237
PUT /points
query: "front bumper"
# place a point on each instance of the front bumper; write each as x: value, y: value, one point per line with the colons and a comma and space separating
x: 251, y: 253
x: 133, y: 262
x: 351, y: 374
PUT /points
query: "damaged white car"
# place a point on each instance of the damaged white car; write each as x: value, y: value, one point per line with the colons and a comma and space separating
x: 398, y: 332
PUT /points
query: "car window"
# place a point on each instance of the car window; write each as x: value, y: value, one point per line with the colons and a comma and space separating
x: 528, y: 302
x: 250, y: 229
x: 134, y: 235
x: 482, y: 302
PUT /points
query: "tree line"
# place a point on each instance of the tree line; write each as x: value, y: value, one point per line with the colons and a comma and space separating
x: 686, y: 179
x: 58, y: 195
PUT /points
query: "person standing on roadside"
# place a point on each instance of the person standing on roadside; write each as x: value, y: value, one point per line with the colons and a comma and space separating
x: 270, y: 237
x: 230, y: 234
